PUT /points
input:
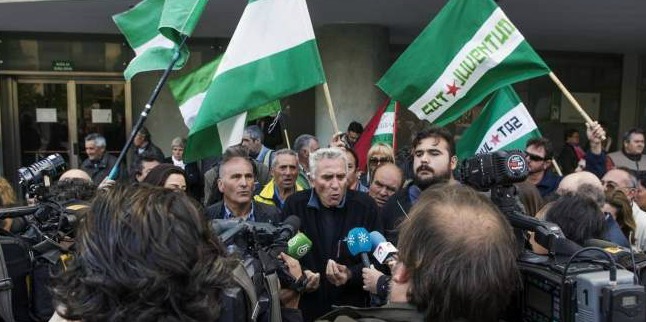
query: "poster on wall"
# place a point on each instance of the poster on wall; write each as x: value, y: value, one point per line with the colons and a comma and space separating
x: 45, y: 115
x: 590, y: 102
x: 101, y: 116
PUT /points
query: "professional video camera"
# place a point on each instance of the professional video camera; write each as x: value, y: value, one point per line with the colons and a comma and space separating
x: 258, y: 246
x: 555, y: 287
x: 38, y: 176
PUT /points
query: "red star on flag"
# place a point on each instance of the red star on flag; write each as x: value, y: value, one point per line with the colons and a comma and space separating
x: 495, y: 139
x: 453, y: 90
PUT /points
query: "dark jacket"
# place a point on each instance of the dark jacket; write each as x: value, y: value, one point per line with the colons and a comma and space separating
x: 357, y: 210
x: 549, y: 183
x: 99, y: 169
x: 261, y: 211
x: 393, y: 312
x: 394, y: 212
x: 194, y: 185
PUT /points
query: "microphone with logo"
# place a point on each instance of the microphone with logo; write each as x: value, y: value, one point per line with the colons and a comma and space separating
x: 383, y: 250
x: 358, y: 241
x: 298, y: 246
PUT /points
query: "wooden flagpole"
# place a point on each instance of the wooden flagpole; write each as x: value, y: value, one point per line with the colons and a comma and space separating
x: 330, y: 107
x: 572, y: 100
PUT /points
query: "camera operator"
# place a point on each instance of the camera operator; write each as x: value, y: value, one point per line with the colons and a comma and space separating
x: 143, y: 254
x: 457, y: 262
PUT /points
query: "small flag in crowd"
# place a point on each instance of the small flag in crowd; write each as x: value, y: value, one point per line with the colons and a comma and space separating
x: 503, y: 124
x: 468, y: 51
x: 154, y: 28
x: 189, y: 92
x: 381, y: 128
x: 272, y: 54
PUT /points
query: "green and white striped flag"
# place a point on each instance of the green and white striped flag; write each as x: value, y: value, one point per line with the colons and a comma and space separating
x: 272, y: 54
x: 154, y: 28
x: 468, y: 51
x: 189, y: 92
x: 503, y: 124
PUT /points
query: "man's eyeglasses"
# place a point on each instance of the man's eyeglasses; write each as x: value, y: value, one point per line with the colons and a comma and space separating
x: 375, y: 160
x: 535, y: 157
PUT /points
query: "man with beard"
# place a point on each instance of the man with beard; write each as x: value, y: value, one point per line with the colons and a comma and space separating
x: 434, y: 160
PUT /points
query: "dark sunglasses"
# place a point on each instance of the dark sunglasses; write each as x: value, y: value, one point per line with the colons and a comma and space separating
x: 380, y: 160
x: 534, y: 157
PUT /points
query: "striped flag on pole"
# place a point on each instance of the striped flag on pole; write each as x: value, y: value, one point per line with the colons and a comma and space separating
x: 468, y: 51
x: 503, y: 124
x: 272, y: 54
x: 154, y: 28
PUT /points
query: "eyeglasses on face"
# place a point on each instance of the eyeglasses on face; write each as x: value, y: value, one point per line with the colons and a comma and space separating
x: 535, y: 157
x: 376, y: 160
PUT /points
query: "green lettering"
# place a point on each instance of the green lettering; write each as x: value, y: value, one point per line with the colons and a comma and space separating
x: 507, y: 26
x: 500, y: 35
x: 487, y: 39
x: 431, y: 106
x: 477, y: 55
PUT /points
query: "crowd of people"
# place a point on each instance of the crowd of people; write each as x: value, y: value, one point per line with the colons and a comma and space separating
x: 144, y: 250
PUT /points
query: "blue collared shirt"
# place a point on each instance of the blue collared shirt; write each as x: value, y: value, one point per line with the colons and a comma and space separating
x: 315, y: 203
x: 413, y: 193
x: 228, y: 214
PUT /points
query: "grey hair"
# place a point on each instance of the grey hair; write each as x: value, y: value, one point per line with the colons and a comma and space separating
x: 283, y: 152
x: 326, y: 153
x: 254, y: 131
x: 99, y: 140
x: 178, y: 141
x: 302, y: 141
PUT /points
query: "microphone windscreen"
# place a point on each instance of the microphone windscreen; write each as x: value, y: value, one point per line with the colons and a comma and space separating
x: 298, y: 246
x: 376, y: 238
x: 219, y: 226
x: 358, y: 241
x: 294, y: 222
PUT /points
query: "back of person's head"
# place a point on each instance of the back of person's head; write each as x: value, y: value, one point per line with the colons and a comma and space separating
x: 434, y: 132
x: 530, y: 197
x: 544, y: 143
x: 143, y: 254
x: 7, y: 194
x: 355, y: 127
x: 72, y: 189
x: 579, y: 217
x: 158, y: 175
x: 460, y: 254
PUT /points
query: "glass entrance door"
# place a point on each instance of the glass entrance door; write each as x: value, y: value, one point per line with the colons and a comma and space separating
x: 49, y: 115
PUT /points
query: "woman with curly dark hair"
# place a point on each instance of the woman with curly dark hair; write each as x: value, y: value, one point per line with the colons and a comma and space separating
x: 143, y: 254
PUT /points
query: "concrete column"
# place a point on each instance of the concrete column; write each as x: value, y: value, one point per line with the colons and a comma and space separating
x: 629, y: 116
x: 354, y: 57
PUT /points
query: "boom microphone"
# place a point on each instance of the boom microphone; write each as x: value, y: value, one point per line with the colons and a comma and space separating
x: 359, y: 243
x: 383, y: 250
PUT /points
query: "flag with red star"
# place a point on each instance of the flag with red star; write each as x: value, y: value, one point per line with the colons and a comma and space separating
x: 503, y: 124
x: 467, y: 52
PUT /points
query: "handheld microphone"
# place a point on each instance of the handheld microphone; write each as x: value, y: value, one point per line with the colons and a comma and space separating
x: 298, y: 246
x: 383, y: 250
x: 359, y: 243
x: 289, y: 227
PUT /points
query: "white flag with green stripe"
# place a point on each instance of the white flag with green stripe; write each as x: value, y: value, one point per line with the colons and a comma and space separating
x: 467, y: 52
x: 154, y: 28
x: 272, y: 54
x: 503, y: 124
x: 189, y: 92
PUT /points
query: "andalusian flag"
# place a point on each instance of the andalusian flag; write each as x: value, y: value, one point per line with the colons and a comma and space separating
x: 468, y: 51
x: 154, y: 28
x: 189, y: 92
x: 503, y: 124
x: 272, y: 54
x: 382, y: 127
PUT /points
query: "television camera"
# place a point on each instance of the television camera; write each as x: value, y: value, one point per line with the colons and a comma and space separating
x: 571, y: 283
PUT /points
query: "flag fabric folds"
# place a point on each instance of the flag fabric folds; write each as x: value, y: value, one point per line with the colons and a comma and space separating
x: 468, y: 51
x: 189, y: 92
x: 154, y: 28
x: 382, y: 127
x: 503, y: 124
x: 272, y: 54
